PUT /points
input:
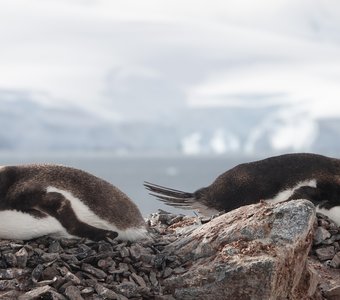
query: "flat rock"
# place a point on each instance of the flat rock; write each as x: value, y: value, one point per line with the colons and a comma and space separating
x: 325, y: 253
x: 73, y: 293
x: 333, y: 293
x: 321, y: 234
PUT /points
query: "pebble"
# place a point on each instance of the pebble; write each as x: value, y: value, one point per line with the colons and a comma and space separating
x: 73, y: 293
x: 12, y: 273
x: 10, y: 259
x: 36, y: 273
x: 48, y: 257
x: 138, y: 279
x: 21, y: 256
x: 54, y: 247
x: 321, y: 234
x: 153, y: 278
x: 105, y: 292
x: 333, y: 293
x: 93, y: 271
x: 326, y: 241
x: 35, y: 293
x: 325, y: 253
x: 335, y: 262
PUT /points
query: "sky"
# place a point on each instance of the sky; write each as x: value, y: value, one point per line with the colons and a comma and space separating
x: 135, y: 60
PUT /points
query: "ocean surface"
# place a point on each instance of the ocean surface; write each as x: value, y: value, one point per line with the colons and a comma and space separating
x: 128, y: 173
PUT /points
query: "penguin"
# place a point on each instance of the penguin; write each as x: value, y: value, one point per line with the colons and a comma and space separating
x: 275, y: 179
x: 64, y: 202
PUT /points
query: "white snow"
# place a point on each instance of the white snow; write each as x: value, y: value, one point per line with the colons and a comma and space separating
x: 286, y: 130
x: 217, y: 143
x: 191, y: 144
x: 222, y: 142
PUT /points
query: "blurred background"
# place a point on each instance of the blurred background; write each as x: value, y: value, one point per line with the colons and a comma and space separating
x: 174, y: 92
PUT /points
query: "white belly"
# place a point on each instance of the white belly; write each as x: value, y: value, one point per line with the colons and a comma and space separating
x: 17, y: 225
x: 333, y: 213
x: 285, y: 194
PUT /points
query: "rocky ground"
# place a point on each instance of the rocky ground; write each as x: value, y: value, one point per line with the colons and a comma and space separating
x: 79, y: 269
x: 325, y: 256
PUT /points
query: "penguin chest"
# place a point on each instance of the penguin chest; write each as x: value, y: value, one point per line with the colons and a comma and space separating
x: 284, y: 194
x: 332, y: 213
x: 18, y: 225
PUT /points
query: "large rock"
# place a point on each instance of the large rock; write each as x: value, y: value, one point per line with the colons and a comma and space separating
x: 255, y: 252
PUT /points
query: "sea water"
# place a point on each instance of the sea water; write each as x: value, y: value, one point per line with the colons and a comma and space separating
x: 129, y: 172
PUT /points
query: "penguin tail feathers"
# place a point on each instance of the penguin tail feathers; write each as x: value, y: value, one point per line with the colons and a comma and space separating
x: 171, y: 197
x: 179, y: 199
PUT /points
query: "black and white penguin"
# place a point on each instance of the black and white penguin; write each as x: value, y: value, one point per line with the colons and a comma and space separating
x: 275, y: 179
x: 54, y: 200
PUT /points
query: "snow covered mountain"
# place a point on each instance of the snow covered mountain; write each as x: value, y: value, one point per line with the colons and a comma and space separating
x: 30, y: 126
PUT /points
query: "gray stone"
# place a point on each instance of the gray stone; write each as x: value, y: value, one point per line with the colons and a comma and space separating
x: 273, y: 242
x: 12, y: 273
x: 73, y: 293
x: 10, y: 284
x: 325, y: 253
x: 135, y: 251
x: 10, y: 295
x: 335, y: 263
x: 53, y: 295
x: 128, y: 289
x: 138, y: 279
x: 164, y: 297
x: 93, y: 271
x: 54, y: 247
x: 179, y: 270
x: 105, y: 263
x: 320, y: 235
x: 105, y: 247
x: 21, y: 256
x: 153, y: 278
x: 35, y: 293
x: 124, y: 252
x: 333, y: 228
x: 87, y: 291
x: 37, y: 273
x: 50, y: 273
x: 105, y: 292
x: 10, y: 259
x: 69, y: 276
x: 328, y: 241
x: 167, y: 272
x: 48, y: 257
x: 333, y: 293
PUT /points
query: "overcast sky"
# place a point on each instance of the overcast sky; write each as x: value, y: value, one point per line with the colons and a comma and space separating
x: 134, y: 59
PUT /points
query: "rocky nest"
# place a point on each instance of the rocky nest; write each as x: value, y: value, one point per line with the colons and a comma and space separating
x: 326, y: 242
x: 45, y: 268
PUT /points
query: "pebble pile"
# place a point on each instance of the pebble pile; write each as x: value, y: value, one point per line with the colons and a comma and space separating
x: 326, y: 243
x: 45, y: 268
